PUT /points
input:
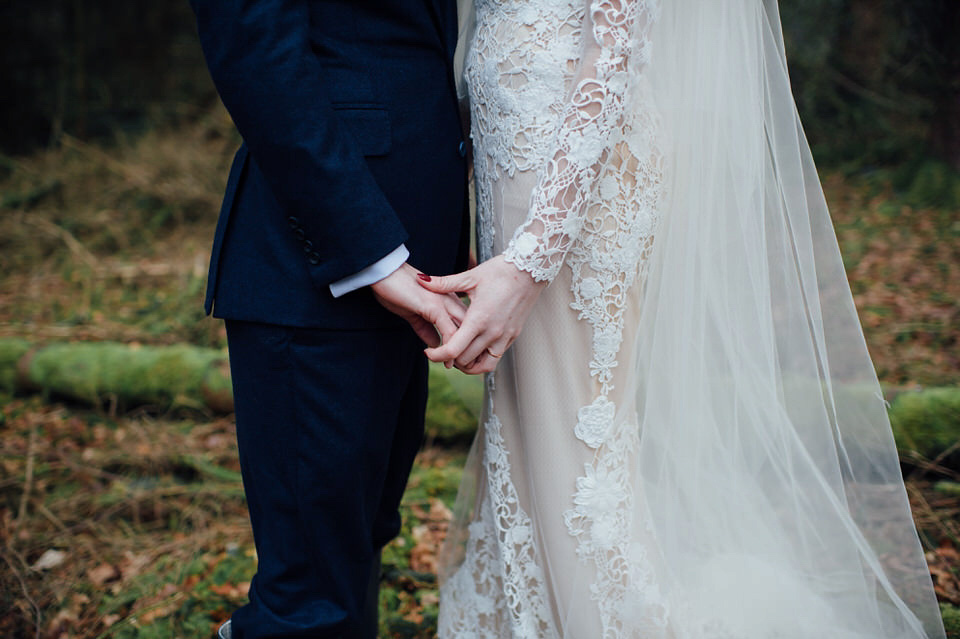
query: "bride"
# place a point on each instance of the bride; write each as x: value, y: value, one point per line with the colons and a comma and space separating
x: 687, y: 440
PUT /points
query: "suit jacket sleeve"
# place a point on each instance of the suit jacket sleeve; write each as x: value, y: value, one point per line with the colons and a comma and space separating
x: 259, y: 55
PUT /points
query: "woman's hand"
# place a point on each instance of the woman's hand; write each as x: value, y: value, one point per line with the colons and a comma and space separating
x: 427, y: 313
x: 501, y: 298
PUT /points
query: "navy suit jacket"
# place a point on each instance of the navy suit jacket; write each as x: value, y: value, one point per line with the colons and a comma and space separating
x: 352, y: 146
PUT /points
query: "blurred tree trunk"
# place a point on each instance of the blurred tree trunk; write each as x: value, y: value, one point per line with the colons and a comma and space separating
x: 93, y: 67
x: 877, y: 81
x: 80, y: 68
x: 945, y: 124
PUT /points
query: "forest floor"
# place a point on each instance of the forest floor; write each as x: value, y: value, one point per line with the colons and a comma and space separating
x: 134, y: 524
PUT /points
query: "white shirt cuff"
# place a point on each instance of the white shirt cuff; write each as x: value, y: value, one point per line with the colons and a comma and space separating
x: 373, y: 273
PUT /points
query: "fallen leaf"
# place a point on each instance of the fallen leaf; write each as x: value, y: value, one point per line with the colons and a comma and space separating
x: 132, y: 565
x: 49, y: 559
x: 233, y: 591
x: 103, y: 573
x: 439, y: 511
x: 109, y: 620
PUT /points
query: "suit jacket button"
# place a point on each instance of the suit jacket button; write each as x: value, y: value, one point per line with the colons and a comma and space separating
x: 293, y: 222
x: 314, y: 258
x: 462, y: 149
x: 299, y: 233
x: 307, y: 246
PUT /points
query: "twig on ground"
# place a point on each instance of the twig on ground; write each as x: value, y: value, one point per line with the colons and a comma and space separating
x: 923, y: 466
x: 23, y: 586
x: 62, y: 234
x: 53, y: 519
x: 28, y: 473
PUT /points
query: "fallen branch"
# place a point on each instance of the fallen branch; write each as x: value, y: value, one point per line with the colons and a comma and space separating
x: 98, y: 373
x: 69, y: 239
x: 926, y: 423
x: 120, y: 376
x: 28, y: 474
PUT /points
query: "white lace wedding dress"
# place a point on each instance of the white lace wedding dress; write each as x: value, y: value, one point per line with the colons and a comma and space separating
x: 562, y: 532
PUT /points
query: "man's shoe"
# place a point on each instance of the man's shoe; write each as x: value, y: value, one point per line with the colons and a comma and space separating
x: 224, y: 631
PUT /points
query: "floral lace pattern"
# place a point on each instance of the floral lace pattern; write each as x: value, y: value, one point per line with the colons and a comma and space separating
x: 594, y: 135
x: 616, y: 237
x: 503, y: 594
x: 549, y: 82
x: 519, y: 65
x: 602, y: 519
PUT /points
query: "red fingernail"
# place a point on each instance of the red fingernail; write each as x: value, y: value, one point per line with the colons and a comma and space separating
x: 424, y: 277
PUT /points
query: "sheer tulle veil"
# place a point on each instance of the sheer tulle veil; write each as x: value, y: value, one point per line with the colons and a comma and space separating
x: 767, y: 482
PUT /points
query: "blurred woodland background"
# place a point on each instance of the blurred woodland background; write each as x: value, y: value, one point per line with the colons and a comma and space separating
x: 121, y: 510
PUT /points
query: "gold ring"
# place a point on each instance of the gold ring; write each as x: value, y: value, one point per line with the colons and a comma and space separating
x: 492, y: 354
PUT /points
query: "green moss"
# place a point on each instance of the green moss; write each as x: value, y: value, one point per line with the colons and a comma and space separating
x: 401, y: 628
x: 926, y: 421
x: 217, y: 377
x: 453, y: 405
x: 945, y: 487
x: 99, y: 372
x: 951, y: 620
x: 192, y: 616
x: 439, y: 482
x: 929, y: 183
x: 189, y: 376
x: 211, y: 470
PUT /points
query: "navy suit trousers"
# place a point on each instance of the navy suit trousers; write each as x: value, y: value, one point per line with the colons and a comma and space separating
x: 325, y: 452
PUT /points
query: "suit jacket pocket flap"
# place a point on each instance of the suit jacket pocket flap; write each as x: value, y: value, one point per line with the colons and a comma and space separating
x: 370, y: 127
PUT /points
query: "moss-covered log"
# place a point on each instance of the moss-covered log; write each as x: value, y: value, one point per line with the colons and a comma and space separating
x: 453, y: 405
x: 104, y: 373
x: 951, y: 488
x: 928, y: 422
x: 951, y: 620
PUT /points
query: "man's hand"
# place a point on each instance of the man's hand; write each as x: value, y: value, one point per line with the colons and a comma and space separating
x: 501, y: 298
x: 427, y: 312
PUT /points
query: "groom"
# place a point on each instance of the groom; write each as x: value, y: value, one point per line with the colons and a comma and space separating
x: 351, y: 180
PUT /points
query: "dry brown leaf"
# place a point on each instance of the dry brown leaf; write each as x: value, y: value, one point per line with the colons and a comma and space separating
x: 109, y: 620
x: 103, y: 574
x: 132, y: 564
x: 233, y: 591
x: 439, y: 511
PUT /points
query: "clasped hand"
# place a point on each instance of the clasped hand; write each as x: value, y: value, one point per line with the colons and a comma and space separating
x: 471, y: 338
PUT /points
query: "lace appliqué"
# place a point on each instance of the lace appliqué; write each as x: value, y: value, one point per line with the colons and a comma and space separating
x: 603, y: 519
x: 594, y: 138
x: 500, y: 585
x: 610, y: 257
x: 520, y: 65
x: 608, y: 260
x: 537, y: 109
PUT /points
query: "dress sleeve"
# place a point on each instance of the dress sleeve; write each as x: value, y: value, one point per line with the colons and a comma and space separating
x: 614, y: 51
